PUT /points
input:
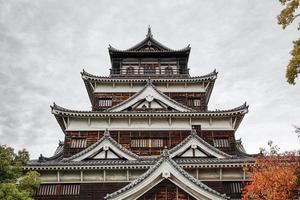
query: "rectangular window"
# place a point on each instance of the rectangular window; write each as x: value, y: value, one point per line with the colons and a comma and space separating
x: 105, y: 102
x: 78, y: 143
x: 197, y: 102
x: 221, y: 142
x: 235, y: 187
x: 147, y: 142
x: 51, y: 190
x: 149, y: 69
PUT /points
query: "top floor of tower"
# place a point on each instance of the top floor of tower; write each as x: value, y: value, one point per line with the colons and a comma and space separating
x: 149, y: 58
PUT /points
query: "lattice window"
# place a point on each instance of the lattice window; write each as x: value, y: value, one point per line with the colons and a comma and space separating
x: 147, y: 143
x: 78, y: 143
x: 221, y: 142
x: 51, y: 190
x: 130, y: 70
x: 169, y: 70
x: 149, y: 69
x: 105, y: 102
x: 197, y: 102
x: 70, y: 189
x: 235, y: 187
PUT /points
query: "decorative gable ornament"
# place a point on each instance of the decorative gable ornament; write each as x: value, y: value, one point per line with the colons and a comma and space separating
x: 151, y: 97
x: 166, y: 168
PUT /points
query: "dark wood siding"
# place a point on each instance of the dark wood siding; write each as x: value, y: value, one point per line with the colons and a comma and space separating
x: 166, y: 190
x: 186, y: 98
x: 170, y: 138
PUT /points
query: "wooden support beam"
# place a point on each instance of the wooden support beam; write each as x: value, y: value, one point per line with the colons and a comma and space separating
x: 234, y: 122
x: 92, y: 86
x: 244, y: 173
x: 221, y: 174
x: 89, y: 121
x: 170, y: 121
x: 65, y: 123
x: 127, y: 174
x: 58, y: 176
x: 81, y: 176
x: 207, y: 85
x: 104, y: 175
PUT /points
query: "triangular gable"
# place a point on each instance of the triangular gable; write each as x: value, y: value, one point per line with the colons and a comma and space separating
x: 150, y: 96
x: 194, y: 146
x: 165, y: 168
x: 105, y: 148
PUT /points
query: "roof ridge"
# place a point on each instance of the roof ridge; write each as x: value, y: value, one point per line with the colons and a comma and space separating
x: 164, y: 157
x: 89, y: 75
x: 194, y: 134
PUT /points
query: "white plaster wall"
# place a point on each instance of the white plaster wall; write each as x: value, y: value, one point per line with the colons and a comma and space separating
x: 135, y: 87
x: 97, y: 124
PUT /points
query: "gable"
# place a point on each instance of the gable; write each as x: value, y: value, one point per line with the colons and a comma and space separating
x: 194, y: 146
x: 166, y: 190
x: 165, y: 169
x: 149, y: 98
x: 105, y: 148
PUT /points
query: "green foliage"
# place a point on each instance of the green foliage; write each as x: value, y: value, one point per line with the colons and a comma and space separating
x: 13, y: 185
x: 30, y: 182
x: 285, y: 18
x: 9, y: 191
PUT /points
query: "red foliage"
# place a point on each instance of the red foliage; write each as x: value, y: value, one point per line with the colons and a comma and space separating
x: 274, y: 177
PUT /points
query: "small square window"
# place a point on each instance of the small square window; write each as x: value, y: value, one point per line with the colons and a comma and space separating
x: 221, y: 142
x: 105, y: 102
x: 78, y: 143
x: 197, y: 102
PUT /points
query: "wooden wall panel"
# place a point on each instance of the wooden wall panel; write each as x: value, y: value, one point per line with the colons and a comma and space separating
x: 170, y: 138
x: 182, y: 97
x: 166, y: 190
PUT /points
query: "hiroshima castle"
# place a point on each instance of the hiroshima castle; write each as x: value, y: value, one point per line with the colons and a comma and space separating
x: 149, y: 135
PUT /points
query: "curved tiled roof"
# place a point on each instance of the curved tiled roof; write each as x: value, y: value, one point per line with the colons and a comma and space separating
x: 164, y: 158
x: 87, y: 76
x: 240, y: 110
x: 57, y: 156
x: 194, y: 135
x: 106, y: 136
x: 149, y: 41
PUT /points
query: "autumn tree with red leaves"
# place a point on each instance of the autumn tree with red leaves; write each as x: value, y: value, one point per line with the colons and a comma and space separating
x: 275, y: 176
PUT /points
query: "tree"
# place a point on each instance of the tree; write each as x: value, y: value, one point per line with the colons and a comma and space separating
x: 14, y: 186
x: 285, y: 18
x: 274, y: 176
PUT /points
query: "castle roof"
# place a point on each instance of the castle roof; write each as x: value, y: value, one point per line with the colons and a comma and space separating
x: 149, y: 45
x: 166, y: 168
x: 193, y: 141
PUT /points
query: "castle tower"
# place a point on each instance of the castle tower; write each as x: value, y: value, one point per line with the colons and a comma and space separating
x: 149, y: 134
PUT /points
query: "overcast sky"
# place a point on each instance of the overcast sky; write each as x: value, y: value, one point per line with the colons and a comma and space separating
x: 45, y: 44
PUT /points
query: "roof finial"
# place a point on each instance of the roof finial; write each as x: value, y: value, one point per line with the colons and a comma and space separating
x: 106, y: 133
x: 149, y: 34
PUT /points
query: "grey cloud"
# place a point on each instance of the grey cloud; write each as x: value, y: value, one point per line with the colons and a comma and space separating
x: 45, y: 44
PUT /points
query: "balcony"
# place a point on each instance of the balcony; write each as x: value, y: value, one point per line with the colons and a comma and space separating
x: 149, y: 72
